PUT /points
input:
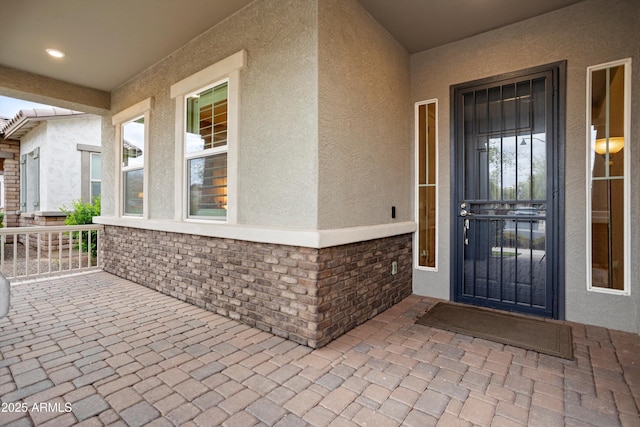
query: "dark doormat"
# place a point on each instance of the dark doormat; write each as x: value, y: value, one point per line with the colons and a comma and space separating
x: 544, y: 337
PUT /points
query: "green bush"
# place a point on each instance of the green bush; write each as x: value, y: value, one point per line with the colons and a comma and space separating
x: 82, y: 213
x: 2, y: 219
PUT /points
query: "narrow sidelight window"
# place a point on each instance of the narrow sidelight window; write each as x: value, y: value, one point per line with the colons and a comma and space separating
x: 426, y: 179
x: 133, y: 166
x: 95, y: 175
x: 608, y: 194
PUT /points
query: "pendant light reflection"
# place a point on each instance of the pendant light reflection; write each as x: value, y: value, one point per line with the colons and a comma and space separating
x: 616, y: 144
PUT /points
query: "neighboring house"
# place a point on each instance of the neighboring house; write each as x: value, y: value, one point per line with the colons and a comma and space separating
x: 59, y: 162
x: 297, y: 169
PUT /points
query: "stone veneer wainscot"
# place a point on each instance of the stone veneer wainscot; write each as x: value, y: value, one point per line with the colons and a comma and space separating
x: 310, y: 296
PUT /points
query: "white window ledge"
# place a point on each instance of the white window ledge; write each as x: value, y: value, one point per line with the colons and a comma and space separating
x: 307, y: 238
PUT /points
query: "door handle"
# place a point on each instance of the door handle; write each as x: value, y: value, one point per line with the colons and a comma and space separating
x: 465, y: 229
x: 463, y: 210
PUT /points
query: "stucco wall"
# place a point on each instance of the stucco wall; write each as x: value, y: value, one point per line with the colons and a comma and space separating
x: 364, y: 120
x: 588, y: 33
x: 61, y: 169
x: 278, y: 135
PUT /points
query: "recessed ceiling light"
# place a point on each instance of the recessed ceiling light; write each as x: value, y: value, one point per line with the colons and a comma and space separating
x: 55, y: 53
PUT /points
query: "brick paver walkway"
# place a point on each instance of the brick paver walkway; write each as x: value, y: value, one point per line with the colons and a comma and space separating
x: 99, y: 350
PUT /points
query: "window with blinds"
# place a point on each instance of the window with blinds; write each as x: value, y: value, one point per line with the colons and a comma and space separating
x: 206, y: 147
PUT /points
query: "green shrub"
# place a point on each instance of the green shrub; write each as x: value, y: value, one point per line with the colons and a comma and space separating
x: 2, y: 219
x: 82, y: 213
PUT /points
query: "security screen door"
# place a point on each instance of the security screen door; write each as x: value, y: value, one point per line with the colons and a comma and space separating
x: 505, y: 186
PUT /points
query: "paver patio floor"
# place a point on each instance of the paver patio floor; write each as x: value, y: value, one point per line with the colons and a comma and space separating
x: 95, y: 349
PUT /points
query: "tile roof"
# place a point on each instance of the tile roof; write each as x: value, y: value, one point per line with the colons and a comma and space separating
x: 25, y: 120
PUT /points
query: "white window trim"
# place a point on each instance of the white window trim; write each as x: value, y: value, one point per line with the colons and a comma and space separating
x: 416, y: 243
x: 207, y: 152
x: 226, y: 69
x: 627, y: 178
x: 141, y: 109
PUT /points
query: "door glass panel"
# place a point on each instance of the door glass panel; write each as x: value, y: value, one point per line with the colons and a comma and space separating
x: 508, y: 108
x: 523, y: 159
x: 469, y: 149
x: 538, y: 166
x: 523, y: 105
x: 495, y: 168
x: 509, y: 168
x: 505, y: 180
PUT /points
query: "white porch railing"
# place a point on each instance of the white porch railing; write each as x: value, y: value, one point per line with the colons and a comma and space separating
x: 30, y: 253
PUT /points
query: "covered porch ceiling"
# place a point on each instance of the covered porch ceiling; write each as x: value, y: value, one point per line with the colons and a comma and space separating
x: 108, y: 42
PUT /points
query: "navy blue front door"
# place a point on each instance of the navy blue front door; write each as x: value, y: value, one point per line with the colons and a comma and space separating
x: 505, y: 193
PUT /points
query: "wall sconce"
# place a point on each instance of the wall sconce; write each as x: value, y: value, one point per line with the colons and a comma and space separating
x: 616, y: 144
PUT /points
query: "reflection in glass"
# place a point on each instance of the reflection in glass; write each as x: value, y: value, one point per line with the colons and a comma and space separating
x: 96, y: 175
x: 133, y: 138
x: 509, y: 168
x: 208, y: 186
x: 133, y: 143
x: 524, y: 161
x: 207, y: 119
x: 96, y: 189
x: 426, y: 142
x: 427, y: 208
x: 608, y: 177
x: 96, y: 166
x: 539, y: 166
x: 133, y: 192
x: 495, y: 169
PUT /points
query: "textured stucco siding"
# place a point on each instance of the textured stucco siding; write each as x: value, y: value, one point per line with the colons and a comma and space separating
x: 278, y: 137
x: 61, y: 170
x: 586, y: 34
x: 364, y: 120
